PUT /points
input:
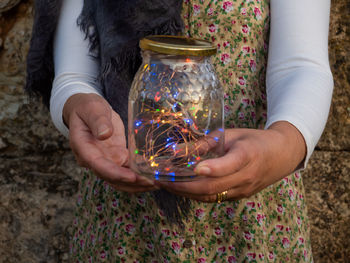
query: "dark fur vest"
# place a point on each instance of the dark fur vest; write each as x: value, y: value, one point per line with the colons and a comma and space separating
x: 114, y: 28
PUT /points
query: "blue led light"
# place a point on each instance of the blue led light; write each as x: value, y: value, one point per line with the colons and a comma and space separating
x: 156, y: 175
x: 175, y: 95
x: 172, y: 174
x: 174, y: 146
x: 168, y: 144
x: 138, y: 123
x: 206, y: 132
x: 216, y: 139
x: 221, y: 130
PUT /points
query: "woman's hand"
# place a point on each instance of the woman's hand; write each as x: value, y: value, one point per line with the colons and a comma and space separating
x: 253, y: 160
x: 97, y: 138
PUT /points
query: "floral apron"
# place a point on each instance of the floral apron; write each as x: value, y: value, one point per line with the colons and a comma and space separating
x: 270, y: 226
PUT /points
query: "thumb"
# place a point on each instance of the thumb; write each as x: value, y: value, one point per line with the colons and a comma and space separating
x: 97, y: 116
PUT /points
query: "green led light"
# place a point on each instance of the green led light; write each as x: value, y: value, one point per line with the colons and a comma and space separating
x: 157, y: 109
x: 136, y: 151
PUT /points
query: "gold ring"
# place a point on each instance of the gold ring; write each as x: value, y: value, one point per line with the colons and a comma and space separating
x: 221, y: 197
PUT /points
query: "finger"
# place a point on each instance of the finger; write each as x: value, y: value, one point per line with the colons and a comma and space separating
x: 233, y: 161
x: 111, y: 172
x: 96, y: 113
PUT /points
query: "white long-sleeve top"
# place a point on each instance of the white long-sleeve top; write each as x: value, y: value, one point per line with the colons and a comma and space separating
x: 299, y: 82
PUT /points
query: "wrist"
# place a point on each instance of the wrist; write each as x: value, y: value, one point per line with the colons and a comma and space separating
x: 292, y: 142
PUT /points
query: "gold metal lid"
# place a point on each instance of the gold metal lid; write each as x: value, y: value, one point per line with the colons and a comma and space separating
x: 177, y: 45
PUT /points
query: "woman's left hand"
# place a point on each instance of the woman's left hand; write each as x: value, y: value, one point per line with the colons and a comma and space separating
x: 253, y: 160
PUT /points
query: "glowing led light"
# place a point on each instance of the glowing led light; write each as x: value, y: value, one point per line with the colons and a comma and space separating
x: 206, y: 132
x: 136, y: 151
x: 157, y: 109
x: 154, y: 164
x: 157, y: 96
x: 188, y: 60
x: 221, y: 129
x: 138, y: 123
x: 216, y: 139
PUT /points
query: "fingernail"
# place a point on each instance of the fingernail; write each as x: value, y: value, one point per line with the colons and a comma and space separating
x: 203, y: 170
x: 102, y: 130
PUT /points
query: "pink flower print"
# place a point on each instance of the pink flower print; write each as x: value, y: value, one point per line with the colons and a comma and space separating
x: 260, y: 218
x: 279, y: 228
x: 218, y: 231
x: 232, y: 259
x: 244, y: 11
x: 99, y: 208
x: 261, y: 256
x: 212, y: 28
x: 248, y: 236
x: 227, y: 109
x: 221, y: 250
x: 176, y: 247
x: 245, y: 102
x: 305, y: 254
x: 288, y: 229
x: 299, y: 221
x: 257, y: 13
x: 214, y: 215
x: 250, y: 205
x: 297, y: 176
x: 280, y: 191
x: 252, y: 65
x: 166, y: 232
x: 271, y: 255
x: 199, y: 213
x: 141, y: 201
x: 196, y: 10
x: 103, y: 254
x: 115, y: 203
x: 199, y: 24
x: 226, y: 96
x: 241, y: 81
x: 272, y: 239
x: 82, y: 242
x: 121, y: 250
x: 231, y: 248
x: 118, y: 220
x: 245, y: 218
x: 253, y: 51
x: 301, y: 197
x: 239, y: 63
x: 210, y: 11
x: 103, y: 224
x: 149, y: 246
x: 130, y: 228
x: 285, y: 180
x: 225, y: 58
x: 259, y: 204
x: 227, y: 6
x: 226, y: 44
x: 230, y: 212
x: 147, y: 219
x: 285, y: 242
x: 200, y: 249
x: 252, y: 114
x: 201, y: 260
x: 241, y: 115
x: 280, y: 209
x: 245, y: 29
x: 291, y: 194
x: 246, y: 50
x: 301, y: 241
x: 251, y: 256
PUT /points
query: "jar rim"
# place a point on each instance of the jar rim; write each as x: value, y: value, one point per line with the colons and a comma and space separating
x: 177, y: 45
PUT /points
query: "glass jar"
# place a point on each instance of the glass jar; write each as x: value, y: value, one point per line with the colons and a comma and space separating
x: 175, y: 109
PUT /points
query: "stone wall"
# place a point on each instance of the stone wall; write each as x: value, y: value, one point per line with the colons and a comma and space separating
x: 39, y: 179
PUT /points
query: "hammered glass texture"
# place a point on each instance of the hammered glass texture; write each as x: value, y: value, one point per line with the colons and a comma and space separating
x: 175, y: 116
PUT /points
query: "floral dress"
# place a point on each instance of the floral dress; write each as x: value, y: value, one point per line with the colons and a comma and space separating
x: 271, y: 226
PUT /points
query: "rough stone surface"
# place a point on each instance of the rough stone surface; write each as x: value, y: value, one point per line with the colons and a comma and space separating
x: 6, y: 5
x: 39, y: 178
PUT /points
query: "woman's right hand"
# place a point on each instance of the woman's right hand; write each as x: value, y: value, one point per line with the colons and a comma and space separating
x: 97, y: 138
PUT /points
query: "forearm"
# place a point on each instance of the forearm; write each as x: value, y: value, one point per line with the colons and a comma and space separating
x: 299, y: 80
x: 75, y: 70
